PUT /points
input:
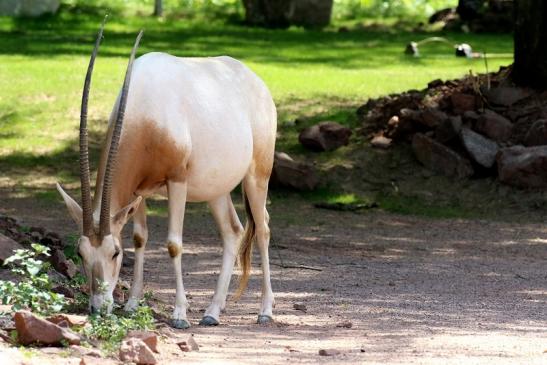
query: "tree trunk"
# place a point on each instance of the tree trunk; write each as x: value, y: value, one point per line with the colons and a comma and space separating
x: 158, y: 8
x: 530, y: 68
x: 283, y: 13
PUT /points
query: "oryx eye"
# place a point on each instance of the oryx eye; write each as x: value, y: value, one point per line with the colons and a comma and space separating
x: 80, y: 255
x: 116, y: 254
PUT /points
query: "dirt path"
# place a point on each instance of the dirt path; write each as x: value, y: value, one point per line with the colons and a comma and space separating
x: 416, y: 291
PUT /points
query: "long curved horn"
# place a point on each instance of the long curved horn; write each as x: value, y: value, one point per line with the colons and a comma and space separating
x: 104, y: 227
x: 87, y: 217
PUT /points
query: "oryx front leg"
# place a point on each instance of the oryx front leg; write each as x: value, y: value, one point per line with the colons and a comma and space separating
x: 176, y: 192
x: 231, y: 230
x: 140, y: 237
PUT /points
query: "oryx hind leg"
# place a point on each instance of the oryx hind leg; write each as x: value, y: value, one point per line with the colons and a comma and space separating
x: 140, y: 237
x: 231, y: 231
x: 256, y: 191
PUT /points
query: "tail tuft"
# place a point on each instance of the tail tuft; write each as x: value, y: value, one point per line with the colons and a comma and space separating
x: 246, y: 248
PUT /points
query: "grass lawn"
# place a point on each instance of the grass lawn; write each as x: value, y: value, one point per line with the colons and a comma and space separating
x: 312, y: 74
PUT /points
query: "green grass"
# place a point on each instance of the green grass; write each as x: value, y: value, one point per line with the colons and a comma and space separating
x: 313, y: 75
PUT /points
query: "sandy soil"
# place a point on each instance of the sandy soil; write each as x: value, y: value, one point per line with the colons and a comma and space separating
x: 415, y: 290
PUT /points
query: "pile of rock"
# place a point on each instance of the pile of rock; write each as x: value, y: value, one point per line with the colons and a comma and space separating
x: 466, y: 128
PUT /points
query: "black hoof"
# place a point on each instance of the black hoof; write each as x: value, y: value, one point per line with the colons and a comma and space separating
x: 208, y: 321
x: 264, y: 319
x: 180, y: 324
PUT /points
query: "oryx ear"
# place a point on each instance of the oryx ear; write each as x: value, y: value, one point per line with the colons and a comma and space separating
x: 73, y: 208
x: 123, y: 215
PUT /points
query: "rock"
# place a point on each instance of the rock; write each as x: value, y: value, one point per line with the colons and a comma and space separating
x: 494, y: 126
x: 71, y: 319
x: 90, y: 360
x: 537, y: 134
x: 329, y: 352
x: 345, y: 324
x: 291, y: 174
x: 85, y: 351
x: 62, y: 264
x: 136, y: 351
x: 325, y: 136
x: 482, y: 150
x: 470, y: 117
x: 462, y: 102
x: 524, y: 167
x: 435, y: 83
x: 381, y: 142
x: 7, y: 246
x: 148, y: 337
x: 505, y: 95
x: 439, y: 158
x: 431, y: 117
x: 34, y: 330
x: 300, y: 307
x: 449, y: 130
x: 67, y: 291
x: 189, y: 344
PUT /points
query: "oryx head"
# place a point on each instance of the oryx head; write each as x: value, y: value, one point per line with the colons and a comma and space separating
x: 99, y: 245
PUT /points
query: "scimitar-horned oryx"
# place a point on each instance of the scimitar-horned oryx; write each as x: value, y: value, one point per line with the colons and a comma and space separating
x: 193, y: 129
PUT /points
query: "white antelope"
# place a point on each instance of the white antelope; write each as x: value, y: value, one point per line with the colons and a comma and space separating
x: 193, y: 128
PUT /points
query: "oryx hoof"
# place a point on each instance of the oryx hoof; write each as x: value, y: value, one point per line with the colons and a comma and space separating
x: 180, y: 324
x: 264, y: 319
x: 208, y: 321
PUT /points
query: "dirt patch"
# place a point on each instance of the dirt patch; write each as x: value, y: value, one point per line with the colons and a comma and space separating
x: 414, y: 290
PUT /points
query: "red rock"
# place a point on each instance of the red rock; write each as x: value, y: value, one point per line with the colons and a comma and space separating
x: 325, y: 136
x: 431, y: 117
x: 62, y: 264
x: 462, y: 102
x: 7, y: 247
x: 148, y: 337
x: 135, y: 350
x: 71, y: 319
x: 439, y: 158
x: 188, y: 345
x: 291, y: 174
x: 494, y: 126
x: 34, y: 330
x: 524, y: 167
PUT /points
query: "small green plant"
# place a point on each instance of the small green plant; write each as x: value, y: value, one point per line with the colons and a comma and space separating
x: 34, y: 290
x: 112, y: 328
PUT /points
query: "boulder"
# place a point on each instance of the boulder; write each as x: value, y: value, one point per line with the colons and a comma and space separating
x: 136, y: 351
x: 148, y: 337
x: 505, y: 95
x: 291, y: 174
x: 481, y: 149
x: 7, y: 247
x: 325, y: 136
x: 62, y: 264
x: 439, y: 158
x: 494, y: 126
x: 448, y: 130
x: 34, y: 330
x: 537, y: 134
x: 432, y: 117
x: 524, y: 167
x: 462, y: 102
